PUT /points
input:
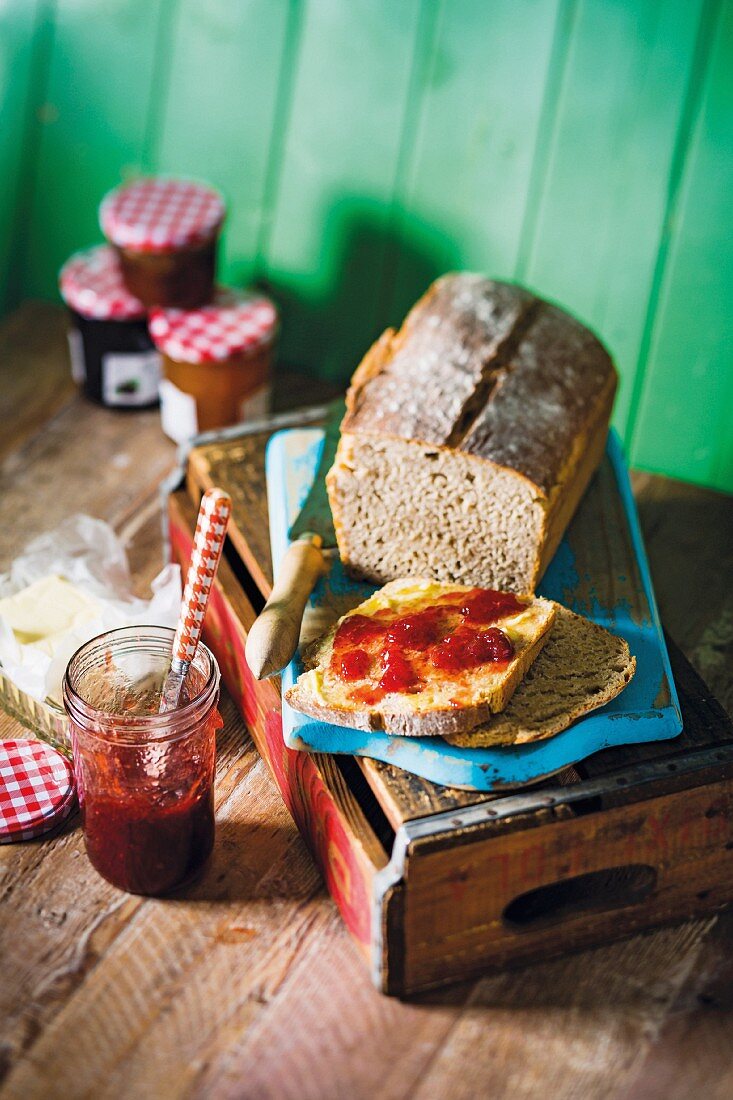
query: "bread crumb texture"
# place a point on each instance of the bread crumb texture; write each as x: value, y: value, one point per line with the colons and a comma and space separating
x: 322, y: 693
x: 581, y: 667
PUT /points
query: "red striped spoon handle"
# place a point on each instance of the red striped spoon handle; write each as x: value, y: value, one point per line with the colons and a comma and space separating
x: 208, y: 543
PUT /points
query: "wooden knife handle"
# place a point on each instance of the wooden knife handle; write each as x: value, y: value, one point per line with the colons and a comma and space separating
x: 273, y: 637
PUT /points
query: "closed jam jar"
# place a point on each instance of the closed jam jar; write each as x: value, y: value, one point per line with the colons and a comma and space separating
x: 216, y: 362
x: 166, y: 233
x: 112, y: 355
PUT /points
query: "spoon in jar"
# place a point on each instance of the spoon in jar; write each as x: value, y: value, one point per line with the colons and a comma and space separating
x: 208, y: 543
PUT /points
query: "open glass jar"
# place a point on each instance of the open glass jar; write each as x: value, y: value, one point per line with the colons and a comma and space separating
x: 144, y: 779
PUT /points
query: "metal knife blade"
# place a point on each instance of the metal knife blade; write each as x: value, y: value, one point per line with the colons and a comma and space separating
x: 315, y: 515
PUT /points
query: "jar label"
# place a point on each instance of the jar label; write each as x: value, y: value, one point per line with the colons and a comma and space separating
x: 255, y: 404
x: 177, y: 412
x: 76, y: 354
x: 130, y: 379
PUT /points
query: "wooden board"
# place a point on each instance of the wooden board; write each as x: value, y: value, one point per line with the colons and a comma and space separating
x: 240, y: 467
x: 586, y: 882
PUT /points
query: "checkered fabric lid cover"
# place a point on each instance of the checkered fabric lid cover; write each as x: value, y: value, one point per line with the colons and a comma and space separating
x: 157, y: 215
x: 235, y: 322
x: 91, y: 283
x: 36, y: 789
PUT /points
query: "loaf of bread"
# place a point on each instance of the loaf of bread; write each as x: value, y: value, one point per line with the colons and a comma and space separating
x: 469, y: 438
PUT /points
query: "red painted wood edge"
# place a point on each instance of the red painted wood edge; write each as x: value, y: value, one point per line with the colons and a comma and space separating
x: 346, y: 868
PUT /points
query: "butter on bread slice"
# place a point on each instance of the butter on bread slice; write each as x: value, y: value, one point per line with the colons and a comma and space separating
x: 581, y: 668
x: 441, y: 700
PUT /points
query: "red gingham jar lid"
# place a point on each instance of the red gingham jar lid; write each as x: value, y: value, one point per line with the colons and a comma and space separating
x: 158, y: 215
x: 235, y: 322
x: 91, y: 283
x: 36, y: 789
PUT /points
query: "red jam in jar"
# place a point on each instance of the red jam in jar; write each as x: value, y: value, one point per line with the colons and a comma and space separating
x: 145, y: 779
x: 165, y: 232
x: 396, y: 651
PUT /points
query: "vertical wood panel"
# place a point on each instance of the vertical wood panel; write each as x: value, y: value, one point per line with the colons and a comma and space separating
x: 685, y: 421
x: 601, y: 208
x: 21, y: 28
x: 364, y: 147
x: 465, y: 192
x: 326, y: 250
x: 94, y: 124
x: 217, y: 115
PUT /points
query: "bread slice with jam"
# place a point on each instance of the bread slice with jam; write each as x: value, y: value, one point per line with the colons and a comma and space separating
x: 422, y: 658
x: 581, y: 668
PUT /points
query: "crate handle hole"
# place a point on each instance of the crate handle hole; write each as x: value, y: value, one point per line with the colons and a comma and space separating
x: 611, y: 888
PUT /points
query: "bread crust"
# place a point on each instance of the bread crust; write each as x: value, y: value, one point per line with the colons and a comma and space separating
x: 498, y: 349
x: 487, y: 370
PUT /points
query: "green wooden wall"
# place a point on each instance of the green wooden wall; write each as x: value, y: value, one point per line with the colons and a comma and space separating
x: 584, y: 147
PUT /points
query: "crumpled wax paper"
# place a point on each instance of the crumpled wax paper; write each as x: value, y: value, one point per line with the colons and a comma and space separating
x: 86, y: 552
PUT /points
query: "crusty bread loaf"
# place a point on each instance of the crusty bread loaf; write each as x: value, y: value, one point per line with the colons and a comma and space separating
x: 470, y: 436
x: 445, y: 702
x: 581, y: 667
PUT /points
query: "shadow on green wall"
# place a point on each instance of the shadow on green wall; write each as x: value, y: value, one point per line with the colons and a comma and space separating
x: 375, y: 262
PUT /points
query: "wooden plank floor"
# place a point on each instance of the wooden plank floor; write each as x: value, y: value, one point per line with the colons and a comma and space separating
x: 251, y: 987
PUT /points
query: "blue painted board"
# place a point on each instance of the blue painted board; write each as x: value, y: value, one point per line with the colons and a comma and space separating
x: 648, y: 710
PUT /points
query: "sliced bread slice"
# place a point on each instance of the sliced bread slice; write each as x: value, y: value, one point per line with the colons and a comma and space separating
x: 421, y: 658
x: 581, y: 667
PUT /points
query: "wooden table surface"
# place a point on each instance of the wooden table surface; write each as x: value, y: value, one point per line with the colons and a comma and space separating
x: 250, y: 985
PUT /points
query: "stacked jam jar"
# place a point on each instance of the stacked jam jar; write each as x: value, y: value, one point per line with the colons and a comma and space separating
x: 147, y: 318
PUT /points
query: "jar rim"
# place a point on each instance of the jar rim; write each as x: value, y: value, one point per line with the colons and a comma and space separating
x: 124, y: 727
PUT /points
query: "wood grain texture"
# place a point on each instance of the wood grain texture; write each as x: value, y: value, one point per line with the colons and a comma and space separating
x: 686, y: 397
x: 210, y: 46
x: 617, y: 860
x: 240, y: 467
x: 34, y: 337
x: 367, y: 148
x: 610, y: 147
x: 251, y: 987
x: 458, y: 164
x: 21, y: 49
x: 93, y: 125
x: 326, y: 247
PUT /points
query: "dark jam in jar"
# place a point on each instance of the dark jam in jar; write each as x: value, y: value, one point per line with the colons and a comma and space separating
x: 150, y: 848
x: 112, y: 354
x: 145, y: 779
x: 396, y: 651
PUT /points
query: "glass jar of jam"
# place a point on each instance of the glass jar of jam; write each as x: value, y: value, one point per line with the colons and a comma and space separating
x: 165, y: 232
x: 112, y: 355
x: 216, y: 362
x: 144, y: 779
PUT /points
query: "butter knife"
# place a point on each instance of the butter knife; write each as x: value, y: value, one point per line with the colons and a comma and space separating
x: 273, y: 637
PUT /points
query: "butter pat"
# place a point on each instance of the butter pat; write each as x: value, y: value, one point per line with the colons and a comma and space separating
x: 44, y: 612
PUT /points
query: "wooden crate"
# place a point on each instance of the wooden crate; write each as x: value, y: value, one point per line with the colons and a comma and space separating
x: 437, y: 884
